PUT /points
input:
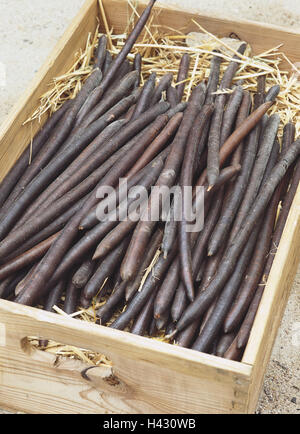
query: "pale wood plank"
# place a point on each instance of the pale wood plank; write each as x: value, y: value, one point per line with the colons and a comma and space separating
x: 151, y: 376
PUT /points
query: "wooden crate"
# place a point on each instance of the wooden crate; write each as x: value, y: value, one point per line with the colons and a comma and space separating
x: 146, y: 376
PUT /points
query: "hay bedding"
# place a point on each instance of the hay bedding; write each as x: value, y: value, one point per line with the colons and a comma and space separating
x: 161, y: 49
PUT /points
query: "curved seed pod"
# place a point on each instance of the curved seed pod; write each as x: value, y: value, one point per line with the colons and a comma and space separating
x: 55, y: 140
x: 167, y: 178
x: 272, y: 93
x: 13, y: 176
x: 27, y: 258
x: 186, y: 181
x: 5, y: 287
x: 214, y: 140
x: 182, y: 75
x: 71, y: 298
x: 105, y: 269
x: 233, y: 352
x: 255, y: 268
x: 100, y: 54
x: 112, y: 98
x: 186, y: 338
x: 172, y: 96
x: 237, y: 136
x: 224, y: 343
x: 141, y: 298
x: 83, y: 274
x: 125, y: 68
x: 137, y: 66
x: 76, y: 172
x: 163, y: 85
x: 170, y: 232
x: 132, y: 287
x: 145, y: 98
x: 116, y: 298
x: 230, y: 113
x: 214, y: 77
x: 75, y: 146
x: 158, y: 144
x: 235, y: 248
x: 258, y: 171
x: 54, y: 296
x: 117, y: 62
x: 142, y: 322
x: 166, y: 292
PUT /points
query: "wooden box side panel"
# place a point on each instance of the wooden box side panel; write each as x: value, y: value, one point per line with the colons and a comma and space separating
x: 146, y: 376
x: 14, y: 136
x: 260, y: 36
x: 274, y: 301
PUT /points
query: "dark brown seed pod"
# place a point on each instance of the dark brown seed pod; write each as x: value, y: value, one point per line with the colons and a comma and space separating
x: 71, y: 298
x: 116, y: 299
x: 83, y: 274
x: 100, y: 53
x: 145, y: 99
x: 172, y: 96
x: 213, y: 81
x: 137, y: 66
x: 142, y: 322
x: 162, y: 86
x: 224, y: 343
x: 54, y: 296
x: 167, y: 178
x: 182, y: 75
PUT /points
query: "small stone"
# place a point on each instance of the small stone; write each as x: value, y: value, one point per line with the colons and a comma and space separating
x: 294, y: 400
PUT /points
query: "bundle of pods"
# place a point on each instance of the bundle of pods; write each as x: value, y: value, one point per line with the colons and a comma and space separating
x: 201, y: 288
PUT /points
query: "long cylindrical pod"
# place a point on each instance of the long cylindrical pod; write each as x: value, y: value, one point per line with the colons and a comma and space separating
x: 48, y: 174
x: 45, y: 233
x: 233, y: 352
x: 183, y: 75
x: 186, y: 181
x: 179, y: 303
x: 71, y: 298
x: 172, y: 96
x: 8, y: 285
x: 162, y: 321
x: 132, y: 287
x: 27, y: 258
x: 105, y: 269
x: 224, y: 343
x: 256, y: 267
x: 187, y: 337
x: 167, y: 178
x: 214, y: 140
x: 13, y: 176
x: 100, y: 53
x: 142, y: 322
x: 230, y: 113
x: 170, y: 232
x: 117, y: 62
x: 162, y: 86
x: 141, y: 298
x: 215, y: 321
x: 234, y: 249
x: 258, y: 171
x: 124, y: 227
x: 54, y: 296
x: 145, y: 98
x: 55, y: 140
x: 125, y: 68
x: 167, y: 289
x: 105, y: 312
x: 137, y: 66
x: 236, y: 194
x: 158, y: 144
x: 213, y: 81
x: 115, y: 197
x: 110, y: 100
x: 21, y: 285
x: 107, y: 63
x: 4, y: 287
x: 237, y: 136
x: 83, y: 274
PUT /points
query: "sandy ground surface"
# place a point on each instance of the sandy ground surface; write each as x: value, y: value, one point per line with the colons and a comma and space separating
x: 29, y: 30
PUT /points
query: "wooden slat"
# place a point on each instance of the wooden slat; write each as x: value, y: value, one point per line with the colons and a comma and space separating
x: 148, y: 376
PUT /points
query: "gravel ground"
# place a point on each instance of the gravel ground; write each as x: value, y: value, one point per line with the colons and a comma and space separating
x: 29, y: 29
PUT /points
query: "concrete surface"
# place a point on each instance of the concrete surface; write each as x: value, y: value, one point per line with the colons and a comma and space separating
x: 29, y: 30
